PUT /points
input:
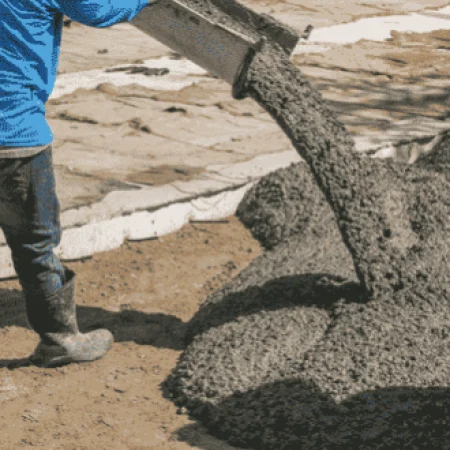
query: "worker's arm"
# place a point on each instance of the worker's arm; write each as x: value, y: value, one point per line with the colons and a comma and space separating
x: 99, y: 13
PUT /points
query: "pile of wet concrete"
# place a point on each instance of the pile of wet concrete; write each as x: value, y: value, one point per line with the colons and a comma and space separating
x: 338, y: 335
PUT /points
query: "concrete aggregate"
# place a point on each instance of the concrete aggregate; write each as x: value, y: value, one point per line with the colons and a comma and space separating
x: 337, y: 336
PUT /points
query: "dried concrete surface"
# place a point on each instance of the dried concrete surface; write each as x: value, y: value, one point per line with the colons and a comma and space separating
x: 133, y: 137
x: 317, y: 344
x: 110, y: 137
x: 385, y: 91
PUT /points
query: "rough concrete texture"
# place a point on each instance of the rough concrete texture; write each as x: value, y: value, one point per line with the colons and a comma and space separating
x: 295, y: 353
x: 439, y: 159
x: 283, y: 204
x: 386, y: 212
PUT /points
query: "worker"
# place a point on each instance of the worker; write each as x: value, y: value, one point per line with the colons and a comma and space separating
x: 30, y: 37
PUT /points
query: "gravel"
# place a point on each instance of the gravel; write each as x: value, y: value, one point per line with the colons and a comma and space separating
x: 337, y: 336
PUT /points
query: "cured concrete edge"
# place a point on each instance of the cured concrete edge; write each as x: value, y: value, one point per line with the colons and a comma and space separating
x: 436, y: 14
x: 150, y: 213
x: 215, y: 179
x: 81, y: 242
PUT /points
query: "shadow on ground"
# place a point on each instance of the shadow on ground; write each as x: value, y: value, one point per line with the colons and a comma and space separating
x: 391, y: 418
x: 388, y: 418
x: 167, y: 331
x: 157, y: 329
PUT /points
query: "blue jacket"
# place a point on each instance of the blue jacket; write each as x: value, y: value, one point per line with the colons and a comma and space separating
x: 30, y: 37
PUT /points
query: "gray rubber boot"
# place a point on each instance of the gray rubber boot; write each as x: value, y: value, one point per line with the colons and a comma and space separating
x: 54, y: 319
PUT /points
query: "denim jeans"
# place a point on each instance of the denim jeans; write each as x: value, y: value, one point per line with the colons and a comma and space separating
x: 29, y: 218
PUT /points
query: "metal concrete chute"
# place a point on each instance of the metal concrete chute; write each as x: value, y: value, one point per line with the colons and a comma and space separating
x: 221, y: 36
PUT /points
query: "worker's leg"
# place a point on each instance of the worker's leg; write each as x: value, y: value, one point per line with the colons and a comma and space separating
x: 29, y: 216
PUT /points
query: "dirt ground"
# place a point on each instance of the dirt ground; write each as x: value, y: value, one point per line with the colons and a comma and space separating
x: 144, y: 293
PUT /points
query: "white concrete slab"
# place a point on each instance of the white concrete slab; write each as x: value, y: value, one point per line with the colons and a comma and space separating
x: 218, y: 206
x: 374, y: 29
x: 86, y: 240
x: 257, y: 167
x: 182, y: 73
x: 118, y: 203
x: 378, y: 28
x: 210, y: 184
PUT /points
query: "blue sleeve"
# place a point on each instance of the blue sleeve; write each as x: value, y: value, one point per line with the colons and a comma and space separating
x: 99, y: 13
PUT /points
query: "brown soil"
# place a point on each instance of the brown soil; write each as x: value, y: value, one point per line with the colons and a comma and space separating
x: 144, y: 292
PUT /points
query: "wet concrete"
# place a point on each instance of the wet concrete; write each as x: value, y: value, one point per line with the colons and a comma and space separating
x: 386, y: 212
x: 337, y: 336
x: 283, y: 204
x: 439, y: 159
